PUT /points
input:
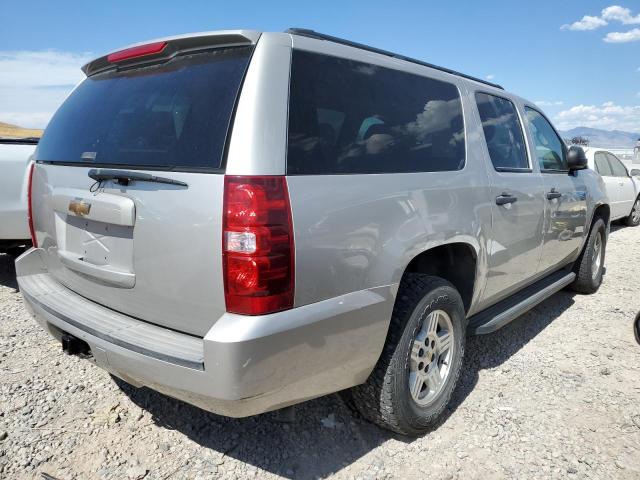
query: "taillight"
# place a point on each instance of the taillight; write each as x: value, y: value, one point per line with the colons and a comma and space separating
x: 257, y: 244
x: 34, y: 240
x: 136, y: 52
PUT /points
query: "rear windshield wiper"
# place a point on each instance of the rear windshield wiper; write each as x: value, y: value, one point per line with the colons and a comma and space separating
x: 123, y: 177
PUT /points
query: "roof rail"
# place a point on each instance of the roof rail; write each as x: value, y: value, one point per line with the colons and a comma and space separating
x: 304, y: 32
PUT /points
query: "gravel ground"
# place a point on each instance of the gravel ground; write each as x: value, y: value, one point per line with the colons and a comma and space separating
x: 555, y: 394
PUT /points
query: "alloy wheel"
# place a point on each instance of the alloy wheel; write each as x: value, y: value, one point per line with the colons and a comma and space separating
x: 431, y: 356
x: 596, y: 258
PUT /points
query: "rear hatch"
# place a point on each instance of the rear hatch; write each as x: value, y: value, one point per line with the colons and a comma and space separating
x: 128, y: 187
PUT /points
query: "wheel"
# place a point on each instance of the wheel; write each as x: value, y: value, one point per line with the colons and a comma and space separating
x: 589, y: 267
x: 633, y: 219
x: 420, y: 364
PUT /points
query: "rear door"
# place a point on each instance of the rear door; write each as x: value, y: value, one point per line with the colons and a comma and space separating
x: 148, y: 247
x: 625, y: 186
x: 603, y: 167
x: 518, y: 203
x: 565, y: 194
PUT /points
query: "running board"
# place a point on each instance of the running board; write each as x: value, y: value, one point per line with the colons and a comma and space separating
x: 507, y: 310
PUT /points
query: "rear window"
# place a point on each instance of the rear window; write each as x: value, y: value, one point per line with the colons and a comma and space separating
x: 352, y: 117
x: 169, y: 116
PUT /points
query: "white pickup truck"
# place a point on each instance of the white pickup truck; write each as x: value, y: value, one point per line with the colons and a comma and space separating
x: 15, y: 158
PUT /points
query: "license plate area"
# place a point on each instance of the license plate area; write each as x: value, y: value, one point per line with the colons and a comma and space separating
x: 100, y: 243
x: 97, y: 250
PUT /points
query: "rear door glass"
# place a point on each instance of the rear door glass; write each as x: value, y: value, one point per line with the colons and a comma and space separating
x: 352, y: 117
x: 502, y: 132
x: 169, y: 116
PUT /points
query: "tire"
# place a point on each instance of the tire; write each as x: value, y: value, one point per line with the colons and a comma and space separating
x: 589, y: 272
x: 633, y: 220
x: 386, y: 398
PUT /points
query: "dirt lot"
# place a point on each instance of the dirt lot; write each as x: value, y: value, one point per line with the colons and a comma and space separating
x: 556, y: 394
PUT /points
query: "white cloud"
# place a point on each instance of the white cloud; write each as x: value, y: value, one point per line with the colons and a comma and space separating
x: 620, y: 14
x: 491, y: 76
x: 614, y: 13
x: 547, y: 103
x: 608, y: 116
x: 587, y: 23
x: 623, y: 37
x: 34, y: 83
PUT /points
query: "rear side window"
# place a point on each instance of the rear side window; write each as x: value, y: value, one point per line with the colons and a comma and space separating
x: 549, y: 147
x: 502, y: 132
x: 169, y: 116
x: 602, y: 165
x: 352, y: 117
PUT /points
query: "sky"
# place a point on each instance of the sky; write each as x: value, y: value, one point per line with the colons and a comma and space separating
x: 578, y: 59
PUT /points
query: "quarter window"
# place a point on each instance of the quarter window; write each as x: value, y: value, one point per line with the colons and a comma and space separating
x: 352, y: 117
x: 502, y: 132
x: 550, y: 149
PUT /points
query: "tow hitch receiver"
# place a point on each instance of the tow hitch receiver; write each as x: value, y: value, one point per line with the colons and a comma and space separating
x: 74, y: 346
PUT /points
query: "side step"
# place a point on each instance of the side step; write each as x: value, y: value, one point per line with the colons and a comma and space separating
x: 503, y: 312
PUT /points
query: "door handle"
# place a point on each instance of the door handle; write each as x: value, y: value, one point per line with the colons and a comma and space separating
x: 505, y: 198
x: 553, y: 194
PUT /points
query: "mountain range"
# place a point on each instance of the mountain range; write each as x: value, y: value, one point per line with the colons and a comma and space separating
x: 9, y: 130
x: 603, y: 138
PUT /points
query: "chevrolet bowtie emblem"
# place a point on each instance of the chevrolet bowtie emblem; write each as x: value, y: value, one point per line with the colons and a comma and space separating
x: 79, y: 207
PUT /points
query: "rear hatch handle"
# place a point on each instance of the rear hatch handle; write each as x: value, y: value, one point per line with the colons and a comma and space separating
x: 124, y: 177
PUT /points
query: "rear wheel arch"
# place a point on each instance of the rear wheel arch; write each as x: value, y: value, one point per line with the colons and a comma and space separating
x: 454, y: 262
x: 602, y: 211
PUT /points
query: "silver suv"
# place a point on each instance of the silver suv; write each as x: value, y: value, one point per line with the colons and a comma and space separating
x: 247, y: 220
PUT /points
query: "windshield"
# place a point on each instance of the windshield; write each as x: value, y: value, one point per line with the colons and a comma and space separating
x: 170, y: 116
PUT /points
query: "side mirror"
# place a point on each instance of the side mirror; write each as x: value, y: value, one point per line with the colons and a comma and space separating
x: 636, y: 328
x: 634, y: 173
x: 576, y: 158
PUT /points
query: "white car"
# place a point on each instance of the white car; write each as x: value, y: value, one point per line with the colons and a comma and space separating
x: 15, y: 158
x: 634, y: 169
x: 623, y: 187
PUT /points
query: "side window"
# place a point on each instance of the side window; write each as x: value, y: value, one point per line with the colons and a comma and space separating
x: 549, y: 147
x: 602, y: 164
x: 502, y: 132
x: 352, y: 117
x: 617, y: 167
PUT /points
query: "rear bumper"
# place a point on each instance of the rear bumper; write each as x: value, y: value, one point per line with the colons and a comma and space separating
x: 243, y: 366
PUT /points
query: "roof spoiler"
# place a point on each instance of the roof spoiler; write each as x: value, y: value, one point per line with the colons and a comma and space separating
x: 138, y: 53
x: 303, y: 32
